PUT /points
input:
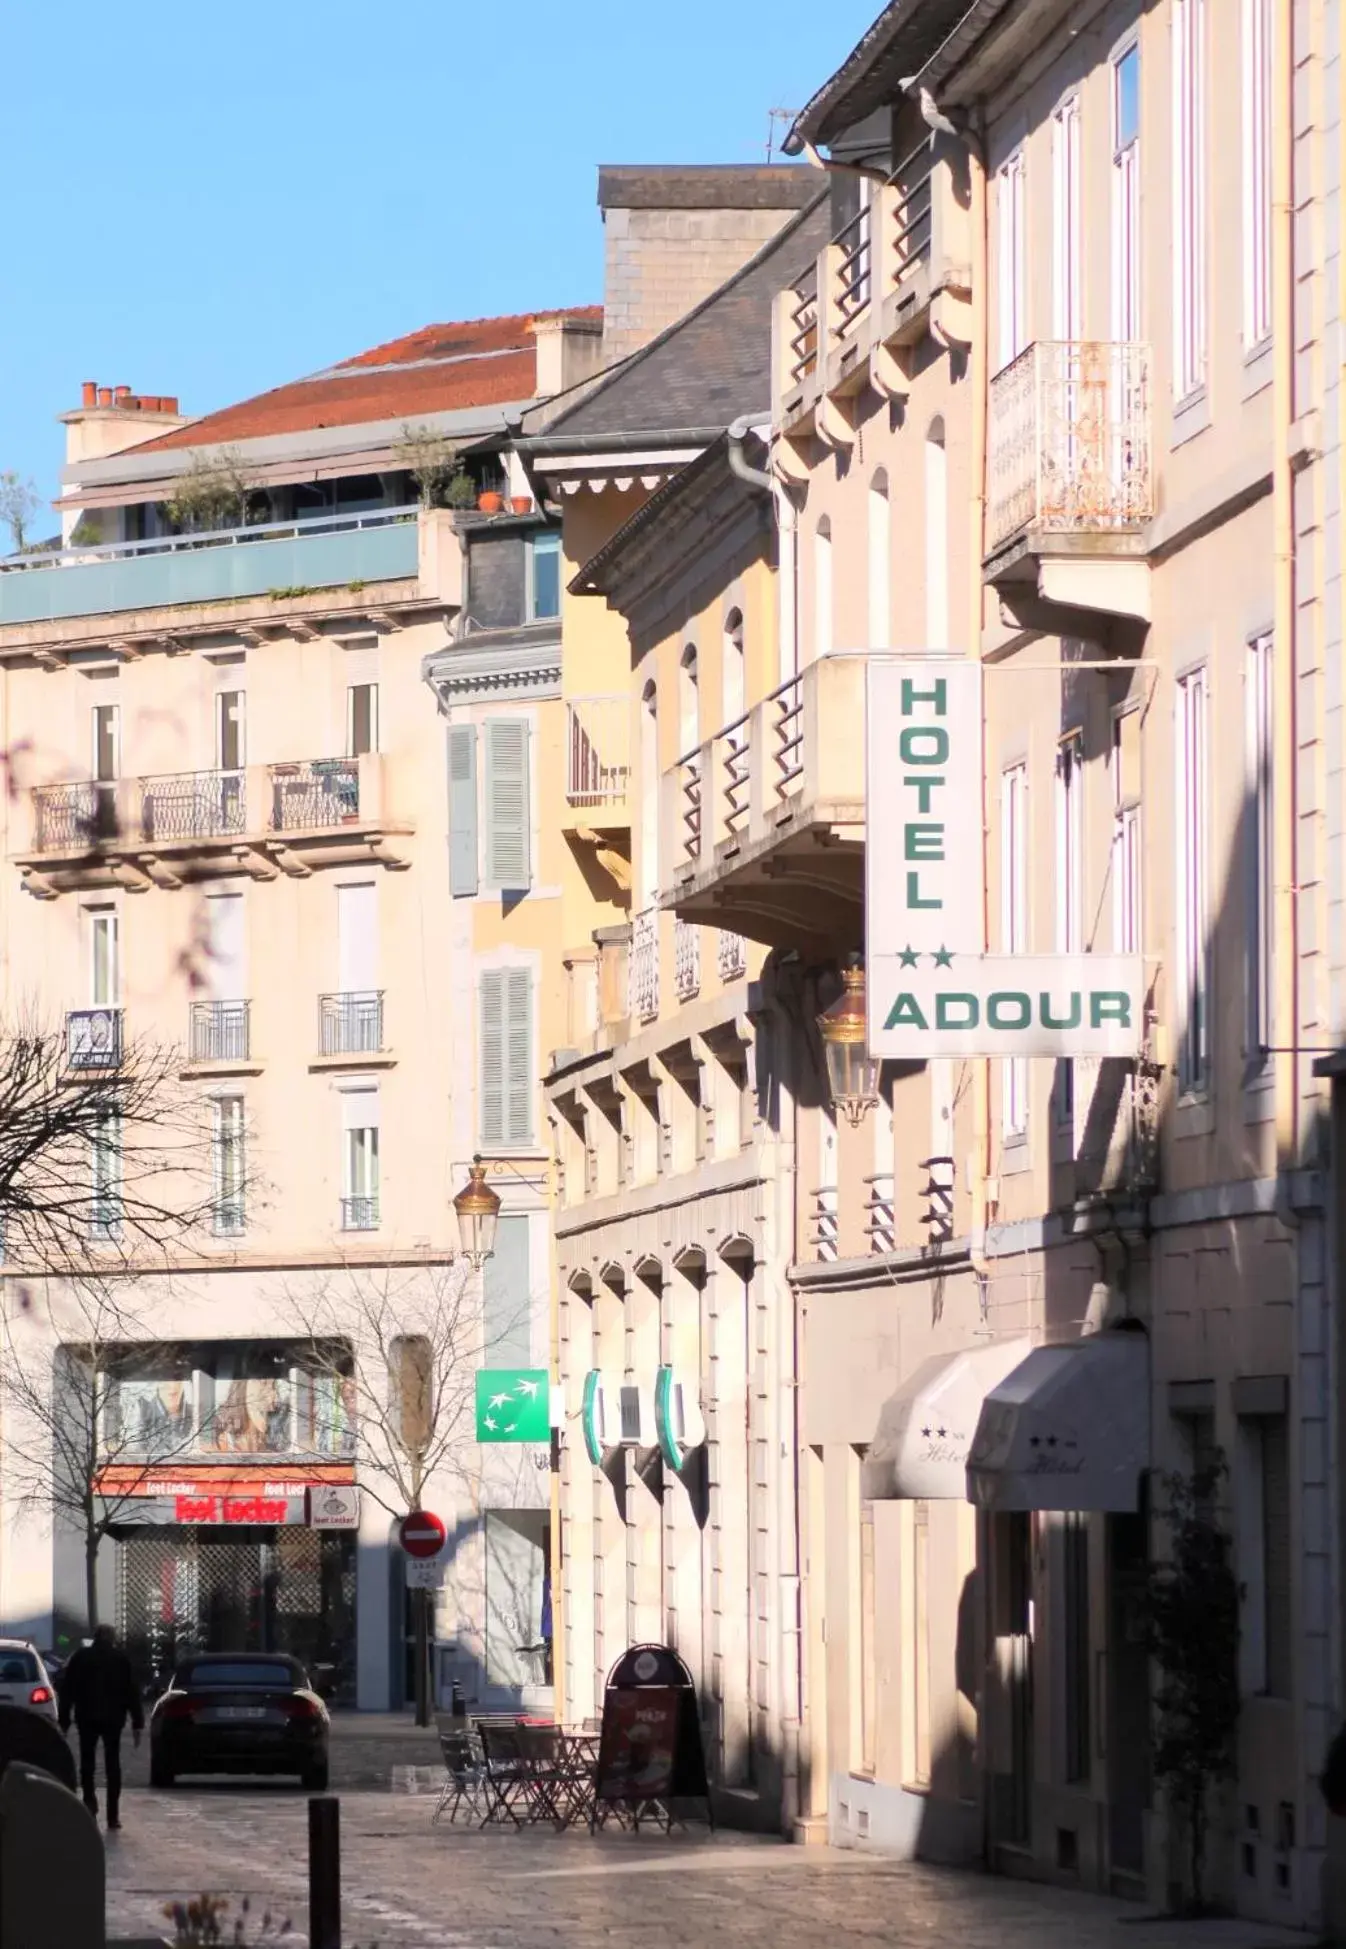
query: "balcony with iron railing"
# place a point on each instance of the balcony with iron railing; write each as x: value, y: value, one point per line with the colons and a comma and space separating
x: 93, y: 1039
x: 762, y: 827
x: 139, y: 832
x: 360, y: 1213
x: 643, y: 966
x: 220, y: 1032
x: 1069, y: 478
x: 686, y: 960
x: 351, y: 1023
x: 598, y: 760
x: 903, y: 256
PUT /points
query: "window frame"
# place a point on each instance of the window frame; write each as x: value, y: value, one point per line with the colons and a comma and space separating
x: 228, y: 1168
x: 1011, y: 294
x: 1260, y: 862
x: 1190, y: 184
x: 1255, y: 46
x: 1014, y: 929
x: 546, y: 541
x: 352, y: 690
x: 1191, y: 830
x: 1127, y: 227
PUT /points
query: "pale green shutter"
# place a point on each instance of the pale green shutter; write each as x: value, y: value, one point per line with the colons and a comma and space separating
x: 519, y: 1055
x: 507, y: 803
x: 463, y: 809
x: 506, y: 1041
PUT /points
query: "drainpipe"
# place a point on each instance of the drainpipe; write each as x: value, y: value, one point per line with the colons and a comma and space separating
x: 738, y: 464
x: 981, y: 1075
x: 1285, y: 806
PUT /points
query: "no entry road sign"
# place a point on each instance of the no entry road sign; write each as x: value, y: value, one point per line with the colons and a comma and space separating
x: 421, y: 1534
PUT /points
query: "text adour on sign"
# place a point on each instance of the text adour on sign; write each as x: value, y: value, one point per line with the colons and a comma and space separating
x: 932, y: 991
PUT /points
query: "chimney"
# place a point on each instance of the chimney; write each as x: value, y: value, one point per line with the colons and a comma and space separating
x: 89, y: 393
x: 568, y: 350
x: 674, y: 234
x: 120, y: 395
x: 105, y: 395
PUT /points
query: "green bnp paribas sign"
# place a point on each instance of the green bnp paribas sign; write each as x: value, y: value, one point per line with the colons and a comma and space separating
x: 933, y: 988
x: 513, y: 1404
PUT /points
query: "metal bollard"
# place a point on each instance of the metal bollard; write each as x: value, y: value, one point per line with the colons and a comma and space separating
x: 324, y: 1872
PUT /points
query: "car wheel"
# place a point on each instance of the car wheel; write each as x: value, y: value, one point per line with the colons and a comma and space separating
x: 161, y: 1773
x: 314, y: 1777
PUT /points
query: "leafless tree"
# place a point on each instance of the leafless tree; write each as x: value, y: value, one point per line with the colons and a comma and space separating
x: 401, y: 1346
x: 19, y: 502
x: 432, y: 461
x: 107, y: 1173
x: 105, y: 1155
x: 81, y: 1440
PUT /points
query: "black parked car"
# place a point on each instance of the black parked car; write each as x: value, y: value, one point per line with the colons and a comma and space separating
x: 239, y: 1712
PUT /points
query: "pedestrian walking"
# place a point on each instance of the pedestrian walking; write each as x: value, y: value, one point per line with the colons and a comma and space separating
x: 99, y: 1692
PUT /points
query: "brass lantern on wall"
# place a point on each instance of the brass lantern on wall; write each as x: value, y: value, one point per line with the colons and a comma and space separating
x: 478, y: 1210
x: 852, y: 1073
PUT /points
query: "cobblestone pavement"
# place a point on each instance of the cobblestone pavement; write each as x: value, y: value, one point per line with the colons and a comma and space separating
x: 407, y: 1886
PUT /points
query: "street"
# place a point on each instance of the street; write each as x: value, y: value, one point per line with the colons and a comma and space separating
x: 458, y: 1888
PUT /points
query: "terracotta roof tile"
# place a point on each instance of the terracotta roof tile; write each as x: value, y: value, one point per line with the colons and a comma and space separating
x: 439, y: 369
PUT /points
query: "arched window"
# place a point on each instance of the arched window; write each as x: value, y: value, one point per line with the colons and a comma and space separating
x: 733, y: 683
x: 936, y: 539
x: 649, y: 795
x: 689, y: 712
x: 822, y: 588
x: 880, y: 584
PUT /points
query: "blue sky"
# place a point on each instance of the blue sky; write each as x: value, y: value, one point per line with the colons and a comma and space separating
x: 208, y: 200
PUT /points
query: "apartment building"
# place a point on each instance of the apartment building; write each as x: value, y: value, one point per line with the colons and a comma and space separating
x: 231, y: 796
x: 668, y: 1242
x: 1052, y: 356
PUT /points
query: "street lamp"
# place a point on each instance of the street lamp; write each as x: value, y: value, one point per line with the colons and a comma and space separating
x: 852, y: 1073
x: 478, y: 1210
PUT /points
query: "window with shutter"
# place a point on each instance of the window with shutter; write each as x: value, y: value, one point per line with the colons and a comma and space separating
x: 507, y: 803
x: 506, y: 1042
x: 463, y: 809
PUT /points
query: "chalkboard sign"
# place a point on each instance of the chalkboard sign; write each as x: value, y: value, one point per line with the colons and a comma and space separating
x: 650, y: 1754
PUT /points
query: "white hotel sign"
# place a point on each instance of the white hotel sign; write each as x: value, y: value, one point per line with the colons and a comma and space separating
x: 932, y: 990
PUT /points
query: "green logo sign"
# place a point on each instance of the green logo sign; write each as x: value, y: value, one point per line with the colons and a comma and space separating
x: 513, y: 1404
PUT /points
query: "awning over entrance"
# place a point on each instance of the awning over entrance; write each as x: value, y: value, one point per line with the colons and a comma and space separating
x: 1068, y: 1429
x: 925, y: 1430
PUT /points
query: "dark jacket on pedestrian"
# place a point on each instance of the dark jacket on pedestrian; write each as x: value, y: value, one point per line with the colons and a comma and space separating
x: 98, y: 1688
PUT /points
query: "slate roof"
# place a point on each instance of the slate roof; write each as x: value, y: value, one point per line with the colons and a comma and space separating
x: 476, y: 362
x: 898, y: 45
x: 709, y: 366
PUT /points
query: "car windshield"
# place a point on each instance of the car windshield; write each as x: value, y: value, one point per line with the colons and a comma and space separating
x: 250, y: 1672
x: 18, y: 1668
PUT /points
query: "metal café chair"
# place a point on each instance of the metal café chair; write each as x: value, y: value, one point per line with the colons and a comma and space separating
x: 464, y: 1775
x: 506, y: 1772
x: 546, y: 1773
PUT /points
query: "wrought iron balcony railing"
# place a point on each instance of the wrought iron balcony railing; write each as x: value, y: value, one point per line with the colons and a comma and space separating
x: 192, y: 805
x: 220, y: 1032
x: 360, y: 1214
x: 93, y: 1038
x: 68, y: 817
x: 733, y: 955
x: 643, y: 966
x: 351, y: 1024
x: 1069, y: 440
x: 686, y: 960
x: 315, y: 793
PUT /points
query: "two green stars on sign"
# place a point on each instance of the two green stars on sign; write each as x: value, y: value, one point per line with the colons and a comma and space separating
x: 942, y: 958
x: 513, y: 1404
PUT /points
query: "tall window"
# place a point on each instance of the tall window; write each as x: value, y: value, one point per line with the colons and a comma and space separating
x: 1014, y: 926
x: 1190, y: 794
x: 1126, y: 195
x: 649, y: 796
x: 1126, y: 888
x: 1264, y: 1559
x: 1011, y: 296
x: 360, y: 1160
x: 1066, y: 220
x: 505, y: 1046
x: 104, y: 958
x: 362, y: 719
x: 544, y: 576
x: 229, y: 733
x: 880, y: 556
x: 1261, y: 871
x: 1256, y: 94
x: 105, y: 1177
x: 1069, y: 879
x: 936, y: 539
x: 733, y: 677
x: 508, y: 863
x: 227, y: 1167
x: 105, y: 724
x: 1189, y: 196
x: 822, y: 588
x: 689, y: 702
